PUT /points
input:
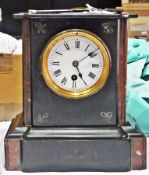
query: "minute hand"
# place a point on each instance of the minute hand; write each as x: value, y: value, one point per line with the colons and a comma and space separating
x: 89, y: 55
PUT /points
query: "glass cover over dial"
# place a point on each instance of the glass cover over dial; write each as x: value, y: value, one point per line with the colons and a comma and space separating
x: 75, y: 64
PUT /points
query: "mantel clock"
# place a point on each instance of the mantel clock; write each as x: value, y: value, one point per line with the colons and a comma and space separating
x: 74, y: 95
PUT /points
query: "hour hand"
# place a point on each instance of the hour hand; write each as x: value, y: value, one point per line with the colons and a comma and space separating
x: 75, y: 64
x: 80, y: 75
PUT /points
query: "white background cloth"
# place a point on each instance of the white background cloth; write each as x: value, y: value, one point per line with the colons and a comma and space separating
x: 3, y: 129
x: 144, y: 172
x: 9, y: 44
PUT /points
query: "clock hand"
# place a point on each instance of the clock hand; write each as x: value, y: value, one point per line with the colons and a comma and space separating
x: 75, y: 64
x: 83, y: 58
x: 80, y: 75
x: 89, y: 55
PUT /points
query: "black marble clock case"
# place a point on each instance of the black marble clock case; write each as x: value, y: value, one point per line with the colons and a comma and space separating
x: 60, y: 134
x: 49, y: 109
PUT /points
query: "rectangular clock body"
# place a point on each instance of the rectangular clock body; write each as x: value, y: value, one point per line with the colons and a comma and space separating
x: 106, y: 107
x: 63, y: 134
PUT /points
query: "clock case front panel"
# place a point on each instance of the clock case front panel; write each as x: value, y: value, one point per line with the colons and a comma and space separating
x: 49, y: 109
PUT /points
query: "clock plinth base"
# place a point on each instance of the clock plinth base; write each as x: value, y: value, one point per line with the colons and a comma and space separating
x: 74, y: 149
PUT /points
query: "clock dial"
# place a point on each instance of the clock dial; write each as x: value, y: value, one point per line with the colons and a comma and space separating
x: 66, y: 60
x: 75, y: 64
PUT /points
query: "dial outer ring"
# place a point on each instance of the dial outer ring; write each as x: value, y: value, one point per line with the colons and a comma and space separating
x: 77, y: 94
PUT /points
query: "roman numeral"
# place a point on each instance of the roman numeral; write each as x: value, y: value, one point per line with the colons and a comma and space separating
x: 57, y: 72
x: 56, y: 63
x: 87, y: 48
x: 64, y: 80
x: 59, y: 53
x: 92, y: 55
x: 92, y: 75
x: 67, y: 46
x: 74, y: 84
x: 95, y: 65
x: 77, y: 44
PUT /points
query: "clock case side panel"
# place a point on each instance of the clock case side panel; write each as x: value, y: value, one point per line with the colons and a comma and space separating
x: 121, y: 71
x: 26, y: 72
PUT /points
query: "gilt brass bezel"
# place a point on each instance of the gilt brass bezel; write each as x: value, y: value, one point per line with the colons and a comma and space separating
x: 75, y: 94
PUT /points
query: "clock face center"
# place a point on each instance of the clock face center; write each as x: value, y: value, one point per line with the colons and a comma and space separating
x: 75, y: 63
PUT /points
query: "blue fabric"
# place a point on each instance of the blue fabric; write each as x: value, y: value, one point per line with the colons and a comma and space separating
x: 137, y: 49
x: 137, y: 99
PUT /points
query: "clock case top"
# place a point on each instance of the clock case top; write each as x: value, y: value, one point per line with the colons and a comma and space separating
x: 42, y: 107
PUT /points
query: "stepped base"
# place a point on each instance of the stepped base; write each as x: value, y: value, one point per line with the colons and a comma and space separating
x: 105, y: 149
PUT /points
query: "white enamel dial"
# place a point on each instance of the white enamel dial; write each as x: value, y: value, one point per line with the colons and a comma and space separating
x: 75, y: 64
x: 70, y: 51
